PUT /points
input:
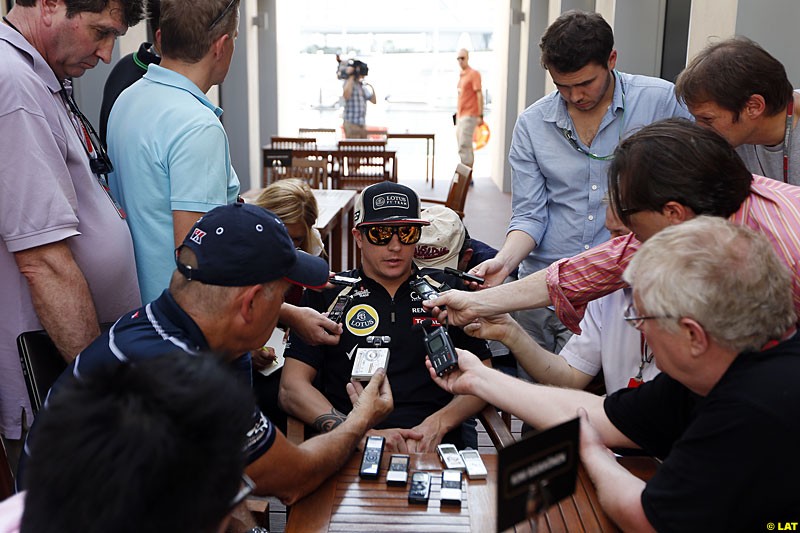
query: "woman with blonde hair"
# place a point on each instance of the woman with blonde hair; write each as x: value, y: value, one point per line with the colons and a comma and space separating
x: 292, y: 200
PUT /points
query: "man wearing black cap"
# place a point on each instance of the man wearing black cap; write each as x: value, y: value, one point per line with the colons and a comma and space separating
x: 233, y: 269
x: 385, y: 307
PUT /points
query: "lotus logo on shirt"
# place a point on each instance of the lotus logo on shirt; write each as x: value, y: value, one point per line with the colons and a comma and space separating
x: 362, y: 320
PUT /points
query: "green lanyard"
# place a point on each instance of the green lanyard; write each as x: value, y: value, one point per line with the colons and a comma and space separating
x: 574, y: 143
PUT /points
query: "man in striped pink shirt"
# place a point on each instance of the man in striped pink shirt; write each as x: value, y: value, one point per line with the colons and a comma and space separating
x: 665, y: 174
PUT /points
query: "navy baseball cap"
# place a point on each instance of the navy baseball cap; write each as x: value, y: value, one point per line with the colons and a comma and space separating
x: 388, y: 202
x: 240, y: 244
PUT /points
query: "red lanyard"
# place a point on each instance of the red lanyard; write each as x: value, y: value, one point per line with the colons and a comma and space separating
x: 646, y: 356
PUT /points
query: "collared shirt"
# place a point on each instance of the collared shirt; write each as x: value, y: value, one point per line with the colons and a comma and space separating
x: 557, y: 192
x: 48, y: 194
x: 355, y: 108
x: 772, y: 208
x: 160, y: 328
x: 170, y: 153
x: 608, y: 343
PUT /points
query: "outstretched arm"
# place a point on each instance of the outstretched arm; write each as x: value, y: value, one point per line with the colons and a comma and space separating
x: 544, y: 366
x: 463, y: 307
x: 541, y: 406
x: 290, y: 472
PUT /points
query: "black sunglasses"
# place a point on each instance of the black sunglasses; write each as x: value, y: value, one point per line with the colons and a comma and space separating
x: 381, y: 235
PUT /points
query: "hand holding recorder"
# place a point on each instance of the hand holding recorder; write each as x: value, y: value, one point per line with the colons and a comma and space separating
x: 464, y: 378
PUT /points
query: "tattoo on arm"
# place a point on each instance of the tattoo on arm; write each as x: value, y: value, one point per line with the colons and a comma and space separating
x: 329, y: 421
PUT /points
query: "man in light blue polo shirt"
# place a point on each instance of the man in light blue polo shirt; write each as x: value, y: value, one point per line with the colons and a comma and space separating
x: 560, y: 153
x: 170, y: 151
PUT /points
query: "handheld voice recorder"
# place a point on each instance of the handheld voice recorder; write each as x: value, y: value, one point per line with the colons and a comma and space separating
x: 397, y: 475
x: 371, y: 460
x: 441, y: 351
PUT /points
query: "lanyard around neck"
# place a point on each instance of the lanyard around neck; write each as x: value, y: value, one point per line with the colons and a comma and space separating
x: 787, y: 138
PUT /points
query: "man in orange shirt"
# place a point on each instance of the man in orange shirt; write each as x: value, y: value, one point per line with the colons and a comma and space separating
x: 470, y: 107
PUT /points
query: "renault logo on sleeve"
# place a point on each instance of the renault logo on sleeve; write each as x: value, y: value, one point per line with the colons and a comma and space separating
x: 362, y: 320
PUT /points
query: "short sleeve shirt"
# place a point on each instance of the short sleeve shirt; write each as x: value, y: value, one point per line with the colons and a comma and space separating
x: 170, y: 153
x: 372, y: 311
x: 48, y: 194
x: 159, y: 328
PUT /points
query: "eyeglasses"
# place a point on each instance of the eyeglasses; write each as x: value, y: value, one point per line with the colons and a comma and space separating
x: 461, y: 58
x: 221, y: 15
x: 632, y: 317
x: 99, y: 162
x: 381, y: 235
x: 247, y: 488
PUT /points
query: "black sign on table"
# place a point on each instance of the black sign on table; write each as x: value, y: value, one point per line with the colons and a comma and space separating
x: 536, y: 472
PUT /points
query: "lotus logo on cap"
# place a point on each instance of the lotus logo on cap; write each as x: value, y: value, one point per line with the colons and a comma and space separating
x: 390, y: 200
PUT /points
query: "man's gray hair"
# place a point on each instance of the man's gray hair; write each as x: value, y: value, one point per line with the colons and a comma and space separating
x: 726, y: 277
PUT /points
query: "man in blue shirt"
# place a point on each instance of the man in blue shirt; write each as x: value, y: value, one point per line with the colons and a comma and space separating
x: 560, y: 153
x: 170, y: 152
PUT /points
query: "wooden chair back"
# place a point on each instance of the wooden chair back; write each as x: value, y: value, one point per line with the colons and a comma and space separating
x: 364, y: 168
x: 325, y: 136
x: 312, y: 170
x: 309, y: 143
x: 457, y: 194
x: 363, y: 145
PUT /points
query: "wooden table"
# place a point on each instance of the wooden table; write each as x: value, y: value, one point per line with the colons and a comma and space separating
x: 347, y: 503
x: 430, y: 149
x: 334, y: 223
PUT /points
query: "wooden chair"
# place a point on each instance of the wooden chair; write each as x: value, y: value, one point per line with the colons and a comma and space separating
x: 313, y: 171
x: 362, y: 145
x: 325, y: 136
x: 308, y: 143
x: 457, y: 195
x: 497, y: 426
x: 361, y: 169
